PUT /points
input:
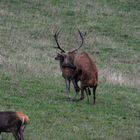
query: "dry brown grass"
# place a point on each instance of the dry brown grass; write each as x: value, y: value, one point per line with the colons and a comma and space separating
x: 114, y: 77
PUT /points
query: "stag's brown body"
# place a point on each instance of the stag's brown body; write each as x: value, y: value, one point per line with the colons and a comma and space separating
x: 13, y: 122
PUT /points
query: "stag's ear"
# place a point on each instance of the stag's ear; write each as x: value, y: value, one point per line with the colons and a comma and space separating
x: 60, y: 56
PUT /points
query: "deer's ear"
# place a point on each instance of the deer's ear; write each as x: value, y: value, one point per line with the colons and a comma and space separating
x: 60, y: 56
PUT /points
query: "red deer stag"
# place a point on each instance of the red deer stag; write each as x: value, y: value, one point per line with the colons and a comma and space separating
x: 83, y: 67
x: 68, y: 68
x: 13, y: 122
x: 68, y: 71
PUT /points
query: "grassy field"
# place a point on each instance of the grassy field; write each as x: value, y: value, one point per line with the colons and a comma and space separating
x: 31, y: 81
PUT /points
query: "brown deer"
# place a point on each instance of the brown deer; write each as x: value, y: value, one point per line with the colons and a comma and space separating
x: 13, y: 122
x: 69, y: 70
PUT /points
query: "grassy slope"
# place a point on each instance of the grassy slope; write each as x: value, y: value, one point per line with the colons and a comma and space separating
x: 30, y: 79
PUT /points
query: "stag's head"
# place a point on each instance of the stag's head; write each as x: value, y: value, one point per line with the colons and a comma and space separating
x: 66, y: 58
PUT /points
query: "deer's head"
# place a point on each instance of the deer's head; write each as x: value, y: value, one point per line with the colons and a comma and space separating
x: 66, y: 58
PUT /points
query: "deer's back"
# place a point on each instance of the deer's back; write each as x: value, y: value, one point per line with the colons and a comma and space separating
x: 83, y: 62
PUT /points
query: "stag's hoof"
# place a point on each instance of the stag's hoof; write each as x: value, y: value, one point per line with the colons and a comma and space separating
x: 77, y: 89
x: 80, y: 99
x: 69, y: 97
x: 73, y: 99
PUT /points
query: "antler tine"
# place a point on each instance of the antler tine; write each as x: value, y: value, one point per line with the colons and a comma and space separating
x: 82, y: 37
x: 56, y: 34
x: 85, y: 34
x: 56, y: 39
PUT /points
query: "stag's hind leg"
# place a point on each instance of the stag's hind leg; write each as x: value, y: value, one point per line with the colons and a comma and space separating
x: 94, y: 94
x: 20, y: 133
x: 82, y: 94
x: 82, y: 91
x: 87, y: 93
x: 16, y: 135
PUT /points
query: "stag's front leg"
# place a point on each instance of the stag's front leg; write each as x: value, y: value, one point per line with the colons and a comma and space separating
x: 76, y: 88
x: 67, y: 88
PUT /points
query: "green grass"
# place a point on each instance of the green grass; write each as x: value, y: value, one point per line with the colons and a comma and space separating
x: 31, y: 81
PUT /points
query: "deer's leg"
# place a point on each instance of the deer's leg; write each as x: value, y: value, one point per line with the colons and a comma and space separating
x: 86, y: 90
x: 16, y: 135
x: 76, y: 88
x: 94, y: 92
x: 89, y: 92
x: 67, y: 87
x: 82, y: 91
x: 21, y: 131
x: 82, y: 94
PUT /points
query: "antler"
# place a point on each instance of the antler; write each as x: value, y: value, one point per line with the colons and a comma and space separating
x: 56, y: 39
x: 82, y: 37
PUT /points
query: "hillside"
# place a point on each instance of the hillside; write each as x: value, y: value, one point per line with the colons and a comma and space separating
x: 31, y: 81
